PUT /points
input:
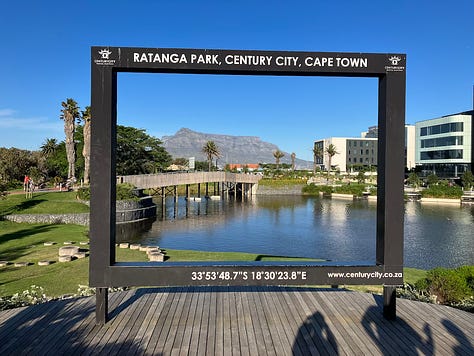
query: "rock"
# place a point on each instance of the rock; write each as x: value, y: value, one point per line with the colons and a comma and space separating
x: 68, y: 250
x: 65, y: 258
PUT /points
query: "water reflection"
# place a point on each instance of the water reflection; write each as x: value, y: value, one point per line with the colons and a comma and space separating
x: 337, y: 230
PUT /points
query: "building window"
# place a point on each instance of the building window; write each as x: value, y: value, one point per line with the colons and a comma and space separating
x: 443, y: 128
x: 442, y: 141
x: 443, y: 154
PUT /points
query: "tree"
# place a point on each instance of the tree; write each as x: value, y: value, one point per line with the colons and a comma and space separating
x: 49, y: 147
x: 139, y: 153
x: 15, y: 163
x: 432, y: 179
x: 467, y: 180
x: 331, y: 151
x: 317, y: 154
x: 211, y: 150
x: 414, y: 180
x: 278, y: 155
x: 293, y: 158
x: 70, y: 113
x: 86, y: 150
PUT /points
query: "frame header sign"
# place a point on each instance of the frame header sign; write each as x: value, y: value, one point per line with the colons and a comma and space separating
x: 235, y: 61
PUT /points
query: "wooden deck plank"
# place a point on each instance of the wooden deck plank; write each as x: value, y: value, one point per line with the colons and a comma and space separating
x: 174, y: 337
x: 286, y: 334
x: 180, y: 324
x: 134, y: 334
x: 316, y: 326
x: 167, y: 318
x: 219, y: 322
x: 302, y: 335
x: 264, y: 338
x: 354, y: 321
x: 203, y: 346
x: 151, y: 321
x: 335, y: 323
x: 249, y: 324
x: 282, y: 342
x: 451, y: 331
x: 188, y: 323
x: 211, y: 334
x: 63, y: 322
x: 381, y: 331
x: 235, y: 320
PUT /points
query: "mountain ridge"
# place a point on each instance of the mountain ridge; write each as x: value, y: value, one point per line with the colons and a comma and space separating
x: 234, y: 149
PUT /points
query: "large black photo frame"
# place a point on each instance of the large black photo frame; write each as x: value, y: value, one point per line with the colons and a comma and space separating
x: 105, y: 271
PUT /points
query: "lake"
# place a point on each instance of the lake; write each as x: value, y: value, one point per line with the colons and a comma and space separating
x: 298, y: 226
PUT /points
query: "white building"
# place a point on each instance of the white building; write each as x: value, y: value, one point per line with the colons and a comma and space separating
x: 353, y: 152
x: 444, y: 145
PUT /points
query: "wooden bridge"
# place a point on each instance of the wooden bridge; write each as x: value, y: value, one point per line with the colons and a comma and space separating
x: 223, y: 182
x: 236, y: 321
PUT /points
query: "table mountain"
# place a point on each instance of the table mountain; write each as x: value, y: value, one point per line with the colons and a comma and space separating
x: 234, y: 149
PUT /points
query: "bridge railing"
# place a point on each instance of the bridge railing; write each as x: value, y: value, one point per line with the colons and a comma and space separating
x: 171, y: 179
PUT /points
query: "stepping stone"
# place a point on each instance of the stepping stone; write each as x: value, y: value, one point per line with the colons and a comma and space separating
x: 156, y: 257
x: 83, y: 243
x: 49, y: 243
x: 80, y: 255
x: 68, y: 250
x: 124, y: 245
x: 143, y: 248
x: 44, y: 263
x: 68, y: 243
x: 21, y: 264
x: 135, y: 246
x: 3, y: 263
x: 65, y: 258
x: 152, y: 250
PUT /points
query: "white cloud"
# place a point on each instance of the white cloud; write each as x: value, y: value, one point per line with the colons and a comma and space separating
x: 8, y: 120
x: 27, y: 132
x: 6, y: 112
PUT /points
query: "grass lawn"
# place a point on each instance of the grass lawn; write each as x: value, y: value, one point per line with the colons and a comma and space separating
x: 25, y: 243
x: 42, y: 203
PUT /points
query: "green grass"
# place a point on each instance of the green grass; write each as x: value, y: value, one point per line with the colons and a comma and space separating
x: 42, y: 203
x: 283, y: 182
x: 25, y: 242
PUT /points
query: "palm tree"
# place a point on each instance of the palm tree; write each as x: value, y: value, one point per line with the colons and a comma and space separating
x: 211, y: 150
x: 331, y: 151
x: 69, y: 113
x: 293, y: 157
x: 278, y: 155
x: 86, y: 150
x: 317, y: 153
x: 49, y: 146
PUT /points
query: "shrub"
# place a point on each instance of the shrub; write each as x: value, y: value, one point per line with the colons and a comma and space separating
x: 83, y: 194
x: 442, y: 191
x: 34, y: 295
x: 354, y: 189
x: 124, y: 192
x: 447, y: 285
x: 312, y: 189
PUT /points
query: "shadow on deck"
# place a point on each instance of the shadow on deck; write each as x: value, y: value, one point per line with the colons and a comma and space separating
x: 237, y: 320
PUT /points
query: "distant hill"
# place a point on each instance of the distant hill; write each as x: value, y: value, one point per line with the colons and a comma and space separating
x: 234, y: 149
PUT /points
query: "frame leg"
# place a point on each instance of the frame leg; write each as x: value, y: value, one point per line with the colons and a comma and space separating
x: 101, y: 305
x: 390, y: 302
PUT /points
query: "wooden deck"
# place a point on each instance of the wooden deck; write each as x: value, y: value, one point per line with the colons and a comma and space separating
x: 236, y: 321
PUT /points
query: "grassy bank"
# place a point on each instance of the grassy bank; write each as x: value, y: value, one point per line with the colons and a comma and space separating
x: 42, y: 203
x: 25, y: 243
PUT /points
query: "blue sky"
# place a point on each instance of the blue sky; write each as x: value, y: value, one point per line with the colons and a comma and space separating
x: 45, y: 58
